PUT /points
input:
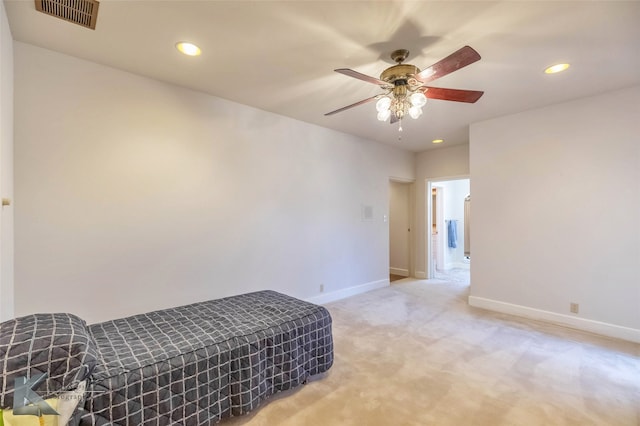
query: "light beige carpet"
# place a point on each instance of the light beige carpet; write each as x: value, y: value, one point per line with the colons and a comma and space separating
x: 416, y: 354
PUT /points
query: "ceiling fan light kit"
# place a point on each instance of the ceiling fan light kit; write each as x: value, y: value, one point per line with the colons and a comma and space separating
x: 405, y: 85
x: 399, y: 104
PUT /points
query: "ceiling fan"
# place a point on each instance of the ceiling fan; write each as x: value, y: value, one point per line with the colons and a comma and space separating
x: 405, y: 86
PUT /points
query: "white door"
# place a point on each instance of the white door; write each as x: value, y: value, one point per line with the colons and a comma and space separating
x: 399, y: 228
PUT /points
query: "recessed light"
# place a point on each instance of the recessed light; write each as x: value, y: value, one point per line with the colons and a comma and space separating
x: 437, y: 140
x: 556, y: 68
x: 188, y: 48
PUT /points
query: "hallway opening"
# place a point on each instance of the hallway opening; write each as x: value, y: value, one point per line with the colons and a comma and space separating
x: 448, y: 242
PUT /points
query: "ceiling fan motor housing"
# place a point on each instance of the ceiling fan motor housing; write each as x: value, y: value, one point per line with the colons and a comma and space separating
x: 399, y: 72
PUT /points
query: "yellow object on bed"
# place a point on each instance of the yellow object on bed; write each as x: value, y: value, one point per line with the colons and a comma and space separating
x: 64, y: 404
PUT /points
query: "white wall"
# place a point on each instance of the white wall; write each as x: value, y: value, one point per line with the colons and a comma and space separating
x: 132, y: 195
x: 399, y: 224
x: 556, y: 213
x: 434, y: 164
x: 6, y: 166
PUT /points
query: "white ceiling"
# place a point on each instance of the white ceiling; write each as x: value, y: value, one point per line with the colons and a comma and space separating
x: 279, y: 56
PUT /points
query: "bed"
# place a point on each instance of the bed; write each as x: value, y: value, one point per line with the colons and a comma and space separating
x: 190, y: 365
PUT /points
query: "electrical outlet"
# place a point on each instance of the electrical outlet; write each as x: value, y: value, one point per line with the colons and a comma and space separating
x: 574, y: 308
x: 321, y: 288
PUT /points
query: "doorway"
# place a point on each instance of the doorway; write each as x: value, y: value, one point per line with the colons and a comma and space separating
x: 445, y: 243
x: 400, y: 241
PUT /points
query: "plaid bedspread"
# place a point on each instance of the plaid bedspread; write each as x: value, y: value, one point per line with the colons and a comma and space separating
x: 196, y: 364
x: 54, y: 346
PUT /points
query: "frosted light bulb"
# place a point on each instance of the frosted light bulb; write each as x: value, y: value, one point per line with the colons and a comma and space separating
x: 383, y: 104
x: 384, y: 115
x: 418, y: 99
x: 415, y: 112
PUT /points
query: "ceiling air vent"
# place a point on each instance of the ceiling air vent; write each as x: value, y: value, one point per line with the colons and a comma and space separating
x: 81, y: 12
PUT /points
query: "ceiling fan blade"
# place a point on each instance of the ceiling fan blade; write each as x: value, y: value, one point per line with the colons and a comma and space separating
x: 364, y: 101
x: 457, y: 95
x: 458, y: 59
x: 360, y: 76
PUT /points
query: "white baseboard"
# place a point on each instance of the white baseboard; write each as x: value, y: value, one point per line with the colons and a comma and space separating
x: 399, y: 271
x: 597, y: 327
x: 323, y: 298
x: 421, y: 275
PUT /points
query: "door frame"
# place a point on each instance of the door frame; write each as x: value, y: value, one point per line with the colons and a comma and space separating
x: 411, y: 208
x: 430, y: 183
x: 439, y: 211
